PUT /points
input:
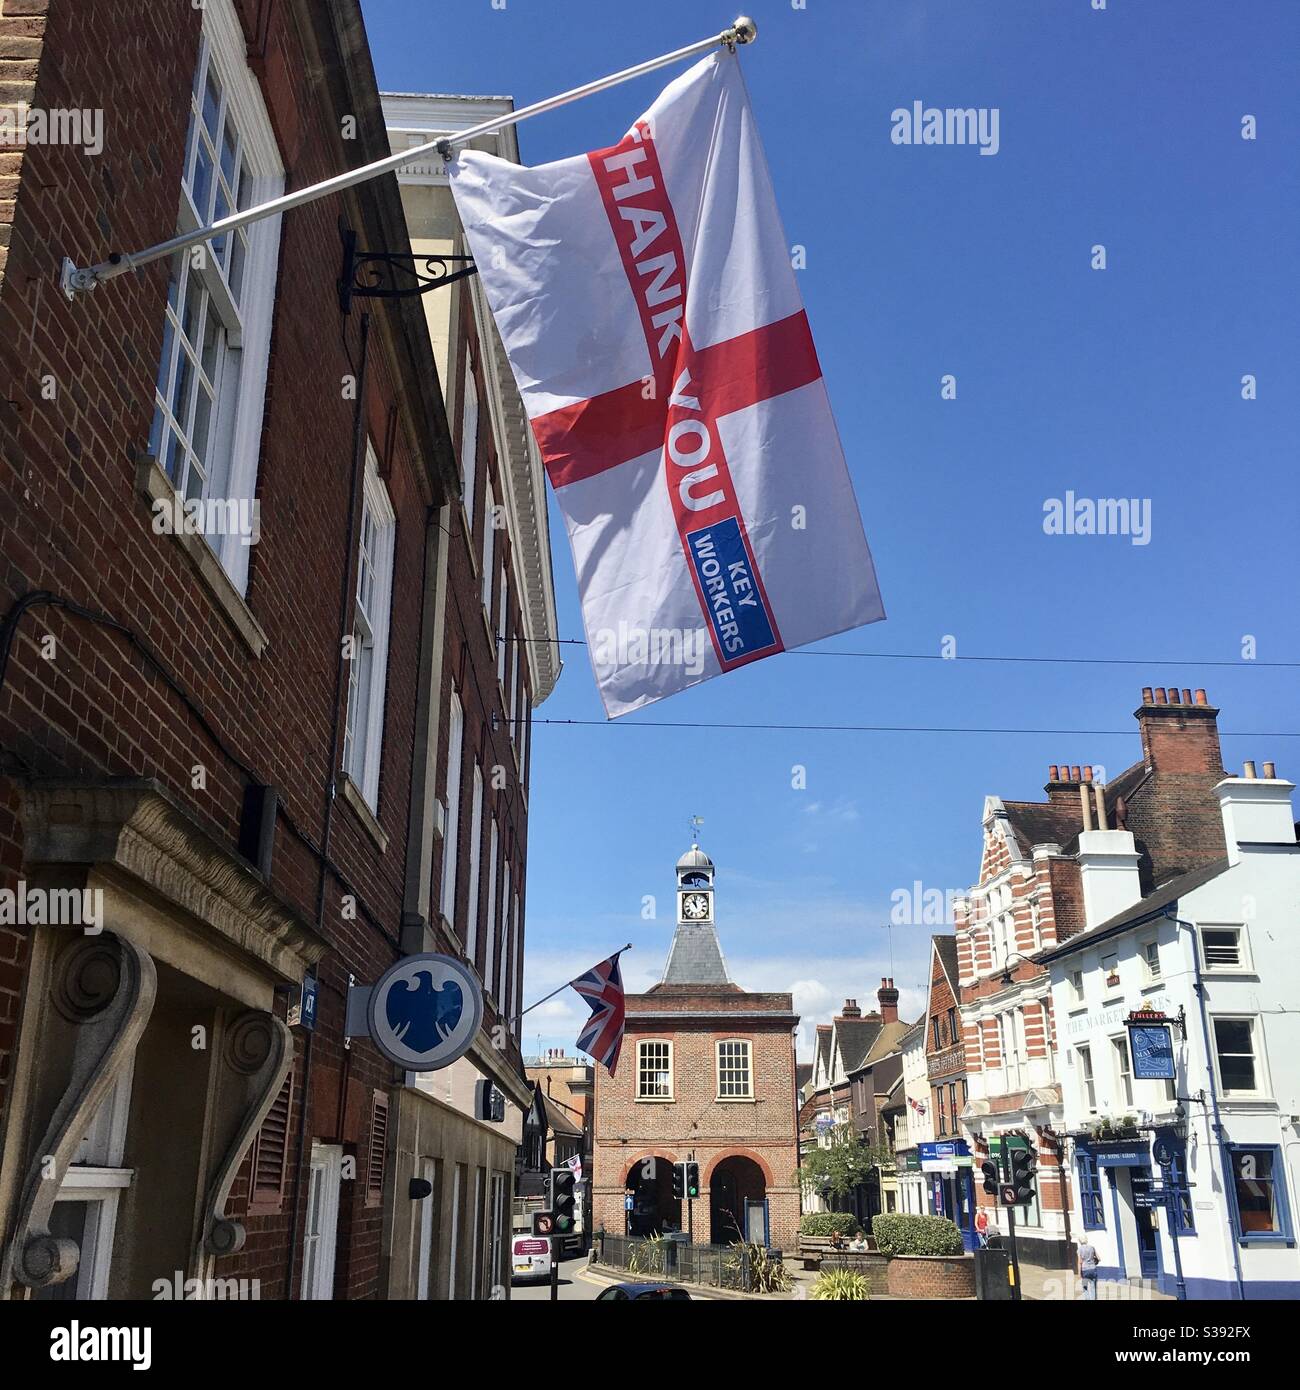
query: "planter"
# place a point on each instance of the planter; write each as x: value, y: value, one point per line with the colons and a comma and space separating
x: 931, y: 1276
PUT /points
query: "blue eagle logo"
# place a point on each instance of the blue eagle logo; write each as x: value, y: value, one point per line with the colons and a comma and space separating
x: 420, y: 1015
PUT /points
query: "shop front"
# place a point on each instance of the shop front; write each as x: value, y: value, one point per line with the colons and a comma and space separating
x: 946, y: 1167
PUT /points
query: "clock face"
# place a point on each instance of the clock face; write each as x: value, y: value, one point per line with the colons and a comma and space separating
x: 695, y: 906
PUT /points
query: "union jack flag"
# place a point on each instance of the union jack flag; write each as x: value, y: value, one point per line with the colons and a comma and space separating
x: 602, y: 988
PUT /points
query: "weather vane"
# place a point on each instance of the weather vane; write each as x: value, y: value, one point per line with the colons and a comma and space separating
x: 696, y: 822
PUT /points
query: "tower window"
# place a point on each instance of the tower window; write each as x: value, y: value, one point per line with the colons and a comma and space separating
x: 735, y: 1075
x: 654, y: 1071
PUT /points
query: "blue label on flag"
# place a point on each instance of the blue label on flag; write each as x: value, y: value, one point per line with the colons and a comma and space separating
x: 731, y: 595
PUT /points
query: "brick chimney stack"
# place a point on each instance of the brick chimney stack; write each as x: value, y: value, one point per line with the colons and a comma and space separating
x: 1180, y: 731
x: 888, y: 997
x: 851, y: 1009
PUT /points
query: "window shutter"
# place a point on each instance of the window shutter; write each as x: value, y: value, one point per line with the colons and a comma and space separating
x: 270, y: 1156
x: 378, y: 1149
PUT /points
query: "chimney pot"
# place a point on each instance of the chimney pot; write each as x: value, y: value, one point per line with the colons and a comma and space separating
x: 1087, y: 773
x: 1173, y: 694
x: 1146, y: 694
x: 1270, y: 771
x: 1200, y: 698
x: 1160, y: 695
x: 1250, y: 769
x: 1187, y: 697
x: 1075, y: 775
x: 1051, y: 773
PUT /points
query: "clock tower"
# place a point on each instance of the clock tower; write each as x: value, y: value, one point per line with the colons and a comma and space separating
x: 694, y: 887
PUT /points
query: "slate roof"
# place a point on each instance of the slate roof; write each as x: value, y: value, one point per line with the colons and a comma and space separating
x: 855, y: 1037
x: 802, y: 1074
x: 888, y: 1039
x: 695, y: 957
x: 947, y: 949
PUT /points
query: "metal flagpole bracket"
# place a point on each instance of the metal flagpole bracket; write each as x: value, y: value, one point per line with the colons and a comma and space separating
x: 75, y: 280
x: 394, y: 274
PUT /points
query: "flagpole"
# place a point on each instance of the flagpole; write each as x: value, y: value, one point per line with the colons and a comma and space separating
x: 563, y: 987
x: 75, y: 280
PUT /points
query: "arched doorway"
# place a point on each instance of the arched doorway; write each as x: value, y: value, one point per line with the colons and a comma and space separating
x: 737, y: 1190
x: 654, y: 1208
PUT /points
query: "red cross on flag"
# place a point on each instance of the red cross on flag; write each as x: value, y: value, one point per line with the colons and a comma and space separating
x: 646, y: 301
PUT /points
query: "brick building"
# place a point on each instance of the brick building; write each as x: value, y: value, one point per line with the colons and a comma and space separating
x: 944, y: 1157
x: 237, y: 736
x: 707, y: 1072
x: 1030, y: 898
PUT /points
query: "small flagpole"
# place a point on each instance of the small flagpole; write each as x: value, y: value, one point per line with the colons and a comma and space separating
x: 563, y: 987
x: 74, y: 280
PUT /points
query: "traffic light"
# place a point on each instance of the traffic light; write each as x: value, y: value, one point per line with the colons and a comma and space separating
x: 989, y: 1171
x: 1024, y: 1168
x: 692, y: 1179
x: 679, y: 1182
x: 563, y: 1200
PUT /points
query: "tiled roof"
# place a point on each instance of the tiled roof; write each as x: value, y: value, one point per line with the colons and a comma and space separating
x: 855, y: 1037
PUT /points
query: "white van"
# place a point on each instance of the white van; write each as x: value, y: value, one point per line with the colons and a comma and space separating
x: 530, y: 1257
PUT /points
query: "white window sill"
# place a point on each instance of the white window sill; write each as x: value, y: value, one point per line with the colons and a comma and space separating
x: 353, y: 795
x: 154, y: 485
x: 655, y: 1100
x: 736, y: 1100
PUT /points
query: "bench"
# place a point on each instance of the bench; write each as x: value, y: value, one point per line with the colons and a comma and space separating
x: 814, y: 1250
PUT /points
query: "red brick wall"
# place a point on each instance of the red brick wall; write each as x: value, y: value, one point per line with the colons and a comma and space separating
x: 930, y: 1276
x: 71, y: 522
x: 763, y: 1130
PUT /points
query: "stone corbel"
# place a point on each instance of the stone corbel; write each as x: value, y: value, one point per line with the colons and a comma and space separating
x: 103, y: 992
x: 256, y: 1055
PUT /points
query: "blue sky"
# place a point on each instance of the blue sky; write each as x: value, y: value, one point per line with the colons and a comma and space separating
x: 1119, y: 127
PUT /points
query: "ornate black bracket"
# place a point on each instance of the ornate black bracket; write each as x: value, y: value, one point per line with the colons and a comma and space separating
x: 394, y: 274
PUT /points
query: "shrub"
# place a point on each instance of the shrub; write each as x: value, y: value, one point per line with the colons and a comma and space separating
x: 900, y: 1234
x: 826, y: 1223
x: 841, y: 1285
x: 766, y: 1274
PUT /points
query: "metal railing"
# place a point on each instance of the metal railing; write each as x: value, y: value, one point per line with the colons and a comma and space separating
x: 714, y: 1266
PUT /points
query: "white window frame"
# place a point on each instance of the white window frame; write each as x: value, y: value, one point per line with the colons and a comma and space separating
x: 516, y: 969
x: 642, y: 1049
x: 501, y: 638
x: 239, y: 390
x: 1122, y: 1061
x: 319, y: 1240
x: 489, y: 552
x: 424, y: 1267
x: 96, y: 1178
x: 1087, y: 1077
x: 503, y: 960
x: 469, y: 434
x: 1245, y: 963
x: 489, y: 958
x: 475, y: 865
x: 1147, y: 947
x: 363, y: 751
x: 512, y: 692
x: 748, y: 1068
x: 498, y: 1199
x: 451, y: 828
x: 457, y: 1170
x: 1262, y: 1086
x: 1074, y: 979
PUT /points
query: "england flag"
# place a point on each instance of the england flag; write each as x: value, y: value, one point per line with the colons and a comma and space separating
x: 646, y: 300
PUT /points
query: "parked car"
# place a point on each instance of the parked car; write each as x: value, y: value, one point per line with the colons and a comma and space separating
x: 621, y: 1293
x: 530, y: 1258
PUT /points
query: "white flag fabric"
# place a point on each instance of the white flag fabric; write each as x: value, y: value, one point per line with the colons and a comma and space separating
x: 647, y: 304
